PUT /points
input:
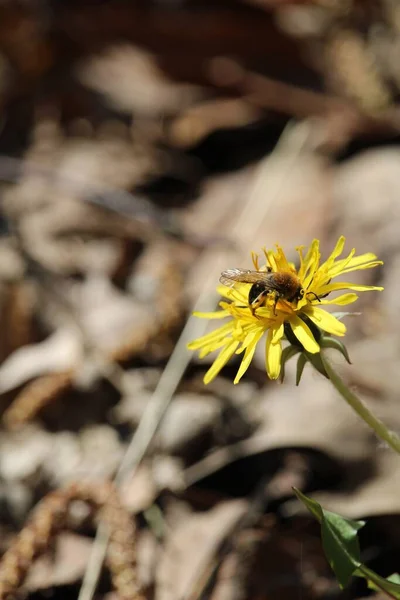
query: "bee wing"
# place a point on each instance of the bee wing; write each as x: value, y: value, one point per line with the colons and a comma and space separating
x: 232, y: 276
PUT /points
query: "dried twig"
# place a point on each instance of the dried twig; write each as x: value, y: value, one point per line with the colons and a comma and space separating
x: 121, y: 551
x: 32, y: 541
x: 50, y: 517
x: 344, y: 119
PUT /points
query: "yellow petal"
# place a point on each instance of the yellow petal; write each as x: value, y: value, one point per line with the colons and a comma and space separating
x: 224, y: 291
x: 220, y: 361
x: 304, y: 334
x: 237, y: 312
x: 277, y: 333
x: 267, y: 313
x: 326, y: 321
x: 362, y: 258
x: 273, y: 352
x: 337, y: 251
x: 355, y: 261
x: 312, y: 266
x: 211, y: 347
x: 334, y: 287
x: 361, y: 267
x: 311, y: 262
x: 270, y: 256
x: 302, y: 302
x: 214, y: 336
x: 299, y: 250
x: 341, y: 300
x: 248, y: 356
x: 248, y: 338
x: 218, y: 314
x: 255, y: 259
x: 238, y: 294
x: 337, y: 267
x: 281, y: 260
x: 307, y: 280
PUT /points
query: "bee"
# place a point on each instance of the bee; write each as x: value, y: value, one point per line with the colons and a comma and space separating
x: 283, y: 285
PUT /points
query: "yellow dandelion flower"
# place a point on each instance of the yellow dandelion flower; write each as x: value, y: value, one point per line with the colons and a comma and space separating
x: 290, y: 304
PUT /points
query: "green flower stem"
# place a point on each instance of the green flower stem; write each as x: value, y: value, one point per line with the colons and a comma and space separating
x: 380, y: 428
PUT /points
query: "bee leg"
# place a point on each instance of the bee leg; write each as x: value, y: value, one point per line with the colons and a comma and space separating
x: 263, y: 297
x: 259, y: 301
x: 276, y: 300
x: 253, y: 307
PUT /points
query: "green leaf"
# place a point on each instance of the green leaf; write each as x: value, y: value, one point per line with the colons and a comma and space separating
x: 340, y: 542
x: 312, y: 505
x: 301, y: 363
x: 315, y: 360
x: 330, y: 342
x: 339, y: 539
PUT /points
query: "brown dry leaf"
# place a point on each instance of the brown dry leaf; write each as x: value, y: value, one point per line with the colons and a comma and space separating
x: 265, y: 564
x: 366, y: 190
x: 114, y: 323
x: 31, y: 456
x: 189, y: 418
x: 309, y: 416
x: 60, y: 352
x: 48, y: 202
x: 191, y: 547
x: 23, y: 453
x: 168, y: 473
x: 132, y: 81
x: 51, y: 236
x: 67, y: 566
x: 366, y: 193
x: 110, y: 160
x: 377, y: 496
x: 306, y: 21
x: 122, y: 324
x: 161, y: 473
x: 177, y: 431
x: 138, y: 493
x: 99, y: 452
x: 93, y: 455
x: 375, y: 366
x: 107, y: 314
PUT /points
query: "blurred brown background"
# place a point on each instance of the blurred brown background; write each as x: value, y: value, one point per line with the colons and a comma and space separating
x: 144, y: 147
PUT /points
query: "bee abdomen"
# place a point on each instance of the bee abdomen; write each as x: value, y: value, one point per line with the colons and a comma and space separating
x: 256, y: 290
